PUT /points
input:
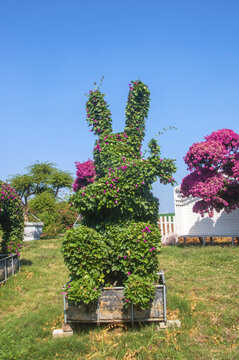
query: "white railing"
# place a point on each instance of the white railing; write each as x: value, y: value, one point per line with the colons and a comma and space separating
x: 166, y: 225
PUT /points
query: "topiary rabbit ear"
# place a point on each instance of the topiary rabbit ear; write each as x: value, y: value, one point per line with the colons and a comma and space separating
x: 136, y: 111
x: 98, y: 114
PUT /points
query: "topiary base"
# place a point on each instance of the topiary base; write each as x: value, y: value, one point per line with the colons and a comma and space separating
x: 110, y: 308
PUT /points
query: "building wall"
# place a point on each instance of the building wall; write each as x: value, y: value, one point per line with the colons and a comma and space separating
x: 189, y: 223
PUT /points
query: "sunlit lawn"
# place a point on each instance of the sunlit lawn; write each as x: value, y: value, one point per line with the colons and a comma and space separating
x: 202, y: 292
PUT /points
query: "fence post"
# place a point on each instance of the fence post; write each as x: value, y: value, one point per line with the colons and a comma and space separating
x: 170, y: 225
x: 174, y: 224
x: 165, y: 225
x: 161, y: 225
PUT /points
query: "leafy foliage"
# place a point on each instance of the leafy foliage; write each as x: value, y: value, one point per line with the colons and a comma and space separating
x: 11, y: 219
x: 82, y: 289
x: 39, y: 189
x: 41, y: 177
x: 139, y: 290
x: 132, y: 249
x: 214, y: 178
x: 68, y: 215
x: 83, y: 248
x: 119, y: 234
x: 57, y: 216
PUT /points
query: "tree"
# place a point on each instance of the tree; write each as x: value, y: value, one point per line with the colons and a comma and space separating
x: 41, y: 177
x: 214, y: 178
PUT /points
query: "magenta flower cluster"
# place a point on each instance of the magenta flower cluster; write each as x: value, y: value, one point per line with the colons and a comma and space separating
x: 85, y: 174
x: 11, y: 219
x: 214, y: 178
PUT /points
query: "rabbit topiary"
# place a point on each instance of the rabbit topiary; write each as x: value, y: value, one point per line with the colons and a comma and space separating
x: 118, y: 240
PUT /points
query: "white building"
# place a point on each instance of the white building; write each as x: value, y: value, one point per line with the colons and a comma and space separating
x: 189, y: 223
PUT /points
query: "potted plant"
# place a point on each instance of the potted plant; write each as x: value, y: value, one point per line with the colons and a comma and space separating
x: 117, y: 245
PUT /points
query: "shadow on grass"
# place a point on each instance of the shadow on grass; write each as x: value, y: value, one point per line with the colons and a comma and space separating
x: 25, y: 262
x: 85, y: 328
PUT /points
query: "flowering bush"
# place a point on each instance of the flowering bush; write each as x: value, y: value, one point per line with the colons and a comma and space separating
x: 11, y: 219
x: 215, y: 173
x: 68, y: 215
x: 85, y: 174
x: 119, y: 237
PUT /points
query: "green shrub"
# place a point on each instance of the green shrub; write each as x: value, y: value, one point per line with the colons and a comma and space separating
x: 11, y: 220
x: 44, y: 207
x: 139, y: 290
x: 68, y: 215
x: 57, y: 216
x: 82, y: 249
x: 132, y: 249
x: 83, y: 289
x: 119, y: 234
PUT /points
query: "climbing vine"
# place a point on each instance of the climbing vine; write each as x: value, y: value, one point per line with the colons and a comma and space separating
x: 119, y: 239
x: 11, y: 220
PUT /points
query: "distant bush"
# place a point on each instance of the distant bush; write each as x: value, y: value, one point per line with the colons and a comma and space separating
x: 68, y: 215
x: 57, y: 216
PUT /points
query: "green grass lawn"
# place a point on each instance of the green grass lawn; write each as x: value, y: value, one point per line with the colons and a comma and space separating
x: 202, y: 292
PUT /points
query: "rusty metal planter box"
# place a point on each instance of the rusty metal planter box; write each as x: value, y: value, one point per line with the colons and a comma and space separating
x: 9, y: 265
x: 110, y: 308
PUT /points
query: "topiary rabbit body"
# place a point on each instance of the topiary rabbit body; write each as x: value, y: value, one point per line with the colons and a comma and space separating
x: 118, y: 241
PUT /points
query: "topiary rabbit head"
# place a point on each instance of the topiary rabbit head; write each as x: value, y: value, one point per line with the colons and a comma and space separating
x: 111, y: 149
x: 124, y: 177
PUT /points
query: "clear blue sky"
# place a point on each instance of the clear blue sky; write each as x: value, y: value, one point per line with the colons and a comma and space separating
x: 51, y: 52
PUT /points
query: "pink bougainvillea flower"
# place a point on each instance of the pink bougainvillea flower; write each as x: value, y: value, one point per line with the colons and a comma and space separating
x: 213, y: 178
x: 85, y: 174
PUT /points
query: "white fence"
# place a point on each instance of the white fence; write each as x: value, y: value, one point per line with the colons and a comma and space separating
x: 166, y: 225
